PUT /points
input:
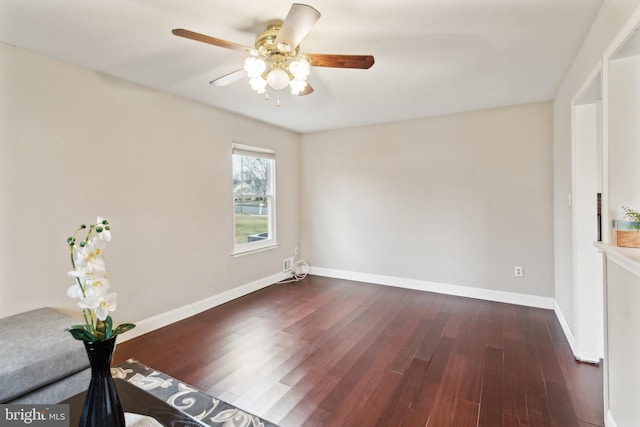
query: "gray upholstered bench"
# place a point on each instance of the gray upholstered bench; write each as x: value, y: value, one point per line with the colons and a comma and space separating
x: 39, y: 361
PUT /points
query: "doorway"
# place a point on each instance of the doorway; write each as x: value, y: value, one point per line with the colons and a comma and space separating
x: 587, y: 189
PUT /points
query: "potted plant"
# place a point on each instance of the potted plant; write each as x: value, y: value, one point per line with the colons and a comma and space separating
x: 628, y: 231
x: 102, y: 406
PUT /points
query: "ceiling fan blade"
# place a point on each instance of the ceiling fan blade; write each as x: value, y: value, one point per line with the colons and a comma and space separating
x: 340, y: 61
x: 180, y: 32
x: 296, y: 26
x: 306, y: 91
x: 227, y: 79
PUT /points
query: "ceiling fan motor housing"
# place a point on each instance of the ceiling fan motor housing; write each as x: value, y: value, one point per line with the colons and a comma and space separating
x: 266, y: 43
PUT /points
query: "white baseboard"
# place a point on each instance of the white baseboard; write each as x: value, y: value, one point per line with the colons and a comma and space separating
x: 609, y: 421
x: 180, y: 313
x: 441, y: 288
x: 571, y: 339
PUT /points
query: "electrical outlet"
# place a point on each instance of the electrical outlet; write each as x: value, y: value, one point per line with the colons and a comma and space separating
x: 287, y: 264
x: 295, y: 251
x: 518, y: 271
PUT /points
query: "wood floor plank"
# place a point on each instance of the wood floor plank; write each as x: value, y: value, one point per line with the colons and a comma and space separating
x: 314, y: 391
x: 377, y: 400
x: 492, y: 396
x: 583, y: 381
x: 402, y: 361
x: 432, y: 337
x: 473, y: 344
x: 449, y: 393
x: 516, y: 375
x: 330, y: 352
x: 397, y: 407
x: 424, y: 387
x: 260, y: 404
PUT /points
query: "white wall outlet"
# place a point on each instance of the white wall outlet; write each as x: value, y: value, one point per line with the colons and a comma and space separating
x: 287, y: 264
x: 518, y: 271
x: 296, y: 250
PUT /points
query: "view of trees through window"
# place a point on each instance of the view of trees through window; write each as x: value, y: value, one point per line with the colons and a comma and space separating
x: 253, y: 197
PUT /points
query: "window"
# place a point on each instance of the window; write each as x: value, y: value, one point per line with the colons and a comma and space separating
x: 253, y: 198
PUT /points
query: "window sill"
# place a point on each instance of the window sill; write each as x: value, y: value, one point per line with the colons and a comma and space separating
x: 253, y: 250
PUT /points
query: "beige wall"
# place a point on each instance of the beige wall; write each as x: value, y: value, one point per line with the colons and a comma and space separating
x: 75, y: 144
x: 458, y: 199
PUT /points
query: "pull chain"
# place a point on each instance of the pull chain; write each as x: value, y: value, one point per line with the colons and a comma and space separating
x: 266, y: 97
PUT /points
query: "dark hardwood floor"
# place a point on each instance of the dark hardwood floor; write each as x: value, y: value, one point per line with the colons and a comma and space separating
x: 328, y: 352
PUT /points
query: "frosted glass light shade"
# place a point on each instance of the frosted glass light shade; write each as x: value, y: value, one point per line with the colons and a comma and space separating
x: 277, y: 79
x: 300, y: 68
x: 254, y: 67
x: 258, y: 84
x: 297, y: 86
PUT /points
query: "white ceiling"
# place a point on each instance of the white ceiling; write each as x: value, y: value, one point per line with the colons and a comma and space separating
x: 432, y: 56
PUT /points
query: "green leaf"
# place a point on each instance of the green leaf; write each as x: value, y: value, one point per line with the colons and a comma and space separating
x: 123, y: 328
x: 80, y: 333
x: 109, y: 327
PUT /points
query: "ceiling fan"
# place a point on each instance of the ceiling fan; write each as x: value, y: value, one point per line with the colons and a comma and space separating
x: 276, y: 61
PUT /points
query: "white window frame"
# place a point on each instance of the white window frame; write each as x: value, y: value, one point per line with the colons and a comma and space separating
x: 271, y: 241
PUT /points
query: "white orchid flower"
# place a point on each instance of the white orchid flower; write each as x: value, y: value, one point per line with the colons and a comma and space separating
x: 90, y: 296
x: 98, y: 241
x: 90, y: 301
x: 77, y: 273
x: 81, y: 273
x: 74, y: 291
x: 89, y: 259
x: 98, y: 284
x: 107, y: 304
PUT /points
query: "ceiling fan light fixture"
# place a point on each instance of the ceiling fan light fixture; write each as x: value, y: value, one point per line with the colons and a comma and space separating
x: 254, y: 66
x: 297, y: 86
x: 300, y: 68
x: 277, y: 78
x: 258, y: 84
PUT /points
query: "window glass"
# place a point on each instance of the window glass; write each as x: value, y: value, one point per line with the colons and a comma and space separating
x: 253, y: 198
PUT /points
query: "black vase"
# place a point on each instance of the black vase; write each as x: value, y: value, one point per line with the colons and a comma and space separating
x: 102, y: 406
